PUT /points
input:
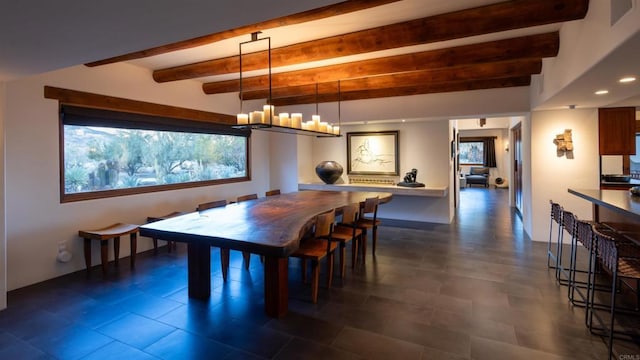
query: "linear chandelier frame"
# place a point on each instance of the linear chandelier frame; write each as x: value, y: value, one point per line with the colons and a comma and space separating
x: 266, y: 119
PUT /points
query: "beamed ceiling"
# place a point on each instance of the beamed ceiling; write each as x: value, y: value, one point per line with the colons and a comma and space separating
x: 372, y: 49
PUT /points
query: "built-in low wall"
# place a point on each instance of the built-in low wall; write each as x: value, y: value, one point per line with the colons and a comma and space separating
x: 427, y: 204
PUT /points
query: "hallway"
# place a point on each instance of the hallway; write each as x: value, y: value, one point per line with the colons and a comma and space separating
x: 475, y: 289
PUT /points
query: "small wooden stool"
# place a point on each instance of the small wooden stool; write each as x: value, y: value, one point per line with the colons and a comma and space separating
x: 170, y: 244
x: 114, y: 232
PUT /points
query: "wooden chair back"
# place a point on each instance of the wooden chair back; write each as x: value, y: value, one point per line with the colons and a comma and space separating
x: 211, y: 205
x: 350, y: 214
x: 247, y: 197
x: 324, y: 224
x: 272, y: 192
x: 371, y: 206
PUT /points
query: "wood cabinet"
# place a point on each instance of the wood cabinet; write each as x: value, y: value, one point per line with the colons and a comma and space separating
x: 617, y: 130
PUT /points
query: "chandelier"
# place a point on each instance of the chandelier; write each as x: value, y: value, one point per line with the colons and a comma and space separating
x: 267, y: 119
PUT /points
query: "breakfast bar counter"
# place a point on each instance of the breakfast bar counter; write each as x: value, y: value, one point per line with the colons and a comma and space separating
x: 616, y: 208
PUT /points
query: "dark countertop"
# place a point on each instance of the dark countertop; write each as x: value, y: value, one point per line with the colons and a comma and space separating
x: 616, y: 200
x: 630, y: 183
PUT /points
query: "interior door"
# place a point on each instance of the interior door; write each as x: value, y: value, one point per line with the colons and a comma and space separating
x: 516, y: 135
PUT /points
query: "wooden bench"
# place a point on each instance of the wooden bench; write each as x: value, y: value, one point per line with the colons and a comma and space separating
x: 114, y: 232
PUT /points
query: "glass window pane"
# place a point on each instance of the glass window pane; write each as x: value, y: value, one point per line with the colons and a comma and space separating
x: 110, y: 158
x: 471, y: 153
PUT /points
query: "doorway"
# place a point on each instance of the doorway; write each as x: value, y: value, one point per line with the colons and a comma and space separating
x: 516, y: 136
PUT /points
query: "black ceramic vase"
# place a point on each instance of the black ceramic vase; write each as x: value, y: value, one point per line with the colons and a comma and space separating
x: 329, y: 171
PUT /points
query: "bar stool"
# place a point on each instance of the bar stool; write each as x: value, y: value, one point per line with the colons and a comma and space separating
x: 621, y: 259
x: 170, y: 244
x: 556, y: 217
x: 114, y: 232
x: 583, y: 235
x: 568, y: 223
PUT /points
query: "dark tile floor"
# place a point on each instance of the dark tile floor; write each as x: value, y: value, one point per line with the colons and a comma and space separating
x: 475, y: 289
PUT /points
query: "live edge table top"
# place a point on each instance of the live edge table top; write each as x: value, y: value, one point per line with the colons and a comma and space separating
x: 270, y: 226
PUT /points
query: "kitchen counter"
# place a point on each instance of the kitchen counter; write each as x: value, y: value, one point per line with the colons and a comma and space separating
x: 620, y: 185
x: 617, y: 209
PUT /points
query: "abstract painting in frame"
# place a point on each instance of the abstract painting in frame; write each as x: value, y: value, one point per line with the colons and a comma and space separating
x: 373, y: 153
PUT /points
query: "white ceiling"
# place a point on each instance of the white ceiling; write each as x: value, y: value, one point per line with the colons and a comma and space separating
x: 39, y: 36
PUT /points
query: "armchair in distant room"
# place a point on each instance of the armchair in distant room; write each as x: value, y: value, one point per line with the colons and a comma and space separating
x: 478, y: 175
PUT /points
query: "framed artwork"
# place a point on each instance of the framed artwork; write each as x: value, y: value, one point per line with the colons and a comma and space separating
x: 373, y: 153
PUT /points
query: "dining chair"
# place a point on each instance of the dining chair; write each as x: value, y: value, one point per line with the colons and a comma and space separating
x: 245, y: 254
x: 224, y: 252
x: 621, y: 259
x: 272, y: 192
x: 317, y: 247
x: 247, y: 197
x: 346, y: 231
x: 369, y: 220
x: 170, y: 244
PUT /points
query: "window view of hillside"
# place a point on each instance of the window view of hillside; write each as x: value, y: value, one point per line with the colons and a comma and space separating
x: 471, y: 153
x: 103, y: 158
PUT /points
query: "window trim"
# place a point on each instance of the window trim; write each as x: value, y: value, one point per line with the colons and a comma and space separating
x: 150, y: 117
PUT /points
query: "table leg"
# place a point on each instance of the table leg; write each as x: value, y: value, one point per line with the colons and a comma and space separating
x: 276, y: 290
x: 199, y: 260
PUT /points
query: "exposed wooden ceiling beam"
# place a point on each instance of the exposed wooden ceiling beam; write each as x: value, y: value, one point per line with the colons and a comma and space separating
x: 503, y: 69
x: 476, y: 21
x: 534, y: 46
x: 105, y: 102
x: 344, y: 7
x: 428, y: 88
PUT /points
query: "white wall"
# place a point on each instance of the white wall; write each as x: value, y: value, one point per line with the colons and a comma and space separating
x: 306, y: 166
x: 283, y: 162
x: 37, y: 221
x: 553, y: 174
x: 584, y: 44
x: 3, y: 235
x: 422, y: 145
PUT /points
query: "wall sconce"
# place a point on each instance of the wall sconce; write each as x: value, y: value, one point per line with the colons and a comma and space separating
x: 506, y: 146
x: 564, y: 144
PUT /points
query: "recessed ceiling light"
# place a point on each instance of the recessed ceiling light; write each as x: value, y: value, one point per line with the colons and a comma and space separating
x: 602, y: 92
x: 627, y: 79
x: 403, y: 120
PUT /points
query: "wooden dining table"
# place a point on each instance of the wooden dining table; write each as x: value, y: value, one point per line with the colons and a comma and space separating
x: 270, y: 226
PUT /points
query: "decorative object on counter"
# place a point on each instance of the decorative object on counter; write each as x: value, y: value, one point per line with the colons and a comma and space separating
x: 410, y: 179
x: 635, y: 190
x: 564, y: 144
x: 329, y: 171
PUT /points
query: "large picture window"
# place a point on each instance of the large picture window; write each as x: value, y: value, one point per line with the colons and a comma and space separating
x: 111, y: 154
x: 471, y: 153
